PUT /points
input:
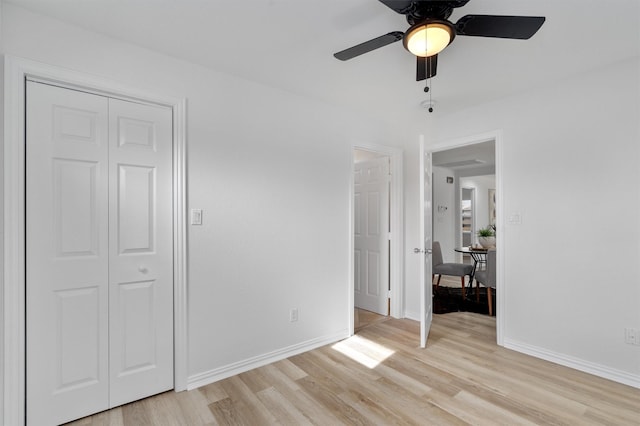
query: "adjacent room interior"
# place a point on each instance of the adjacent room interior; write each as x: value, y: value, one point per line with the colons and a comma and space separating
x: 169, y: 185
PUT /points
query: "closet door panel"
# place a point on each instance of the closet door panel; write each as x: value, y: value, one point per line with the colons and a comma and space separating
x: 67, y: 254
x: 99, y: 253
x: 140, y: 271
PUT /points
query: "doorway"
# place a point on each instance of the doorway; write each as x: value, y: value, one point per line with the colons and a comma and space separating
x: 471, y: 169
x: 464, y: 177
x: 385, y: 163
x: 372, y: 182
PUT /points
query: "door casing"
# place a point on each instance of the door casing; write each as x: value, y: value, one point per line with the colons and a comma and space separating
x: 495, y: 135
x: 16, y: 72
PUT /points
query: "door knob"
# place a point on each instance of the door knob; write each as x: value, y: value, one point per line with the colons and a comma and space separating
x: 143, y: 269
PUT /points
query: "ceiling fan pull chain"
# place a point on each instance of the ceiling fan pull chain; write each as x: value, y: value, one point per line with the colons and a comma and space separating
x: 430, y: 100
x: 426, y: 80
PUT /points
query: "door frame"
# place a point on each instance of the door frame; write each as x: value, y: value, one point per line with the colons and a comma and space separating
x: 16, y: 72
x: 460, y: 233
x: 396, y: 220
x: 501, y: 288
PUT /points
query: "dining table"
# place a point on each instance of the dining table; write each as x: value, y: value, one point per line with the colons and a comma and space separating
x: 479, y: 257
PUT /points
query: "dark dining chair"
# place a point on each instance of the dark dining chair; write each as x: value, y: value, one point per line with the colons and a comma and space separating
x: 450, y: 269
x: 487, y: 277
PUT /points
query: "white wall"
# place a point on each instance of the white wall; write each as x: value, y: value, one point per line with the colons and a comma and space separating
x: 271, y: 172
x: 570, y: 169
x: 444, y: 212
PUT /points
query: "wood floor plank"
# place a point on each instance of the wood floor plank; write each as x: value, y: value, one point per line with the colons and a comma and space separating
x: 213, y: 392
x: 371, y: 410
x: 383, y: 377
x: 105, y: 418
x: 282, y: 407
x: 418, y: 408
x: 135, y: 414
x: 194, y: 408
x: 290, y: 369
x: 309, y: 406
x: 165, y: 410
x: 242, y: 404
x: 226, y: 412
x: 330, y: 401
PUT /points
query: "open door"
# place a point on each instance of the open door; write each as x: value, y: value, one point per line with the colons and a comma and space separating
x: 426, y: 290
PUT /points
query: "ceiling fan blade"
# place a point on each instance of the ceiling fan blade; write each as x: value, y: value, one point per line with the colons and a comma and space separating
x: 368, y: 46
x: 426, y: 67
x: 516, y: 27
x: 400, y: 6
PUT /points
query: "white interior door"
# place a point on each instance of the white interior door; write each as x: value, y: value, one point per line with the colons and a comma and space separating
x: 371, y: 239
x: 426, y: 290
x: 99, y: 253
x: 67, y: 254
x: 140, y: 247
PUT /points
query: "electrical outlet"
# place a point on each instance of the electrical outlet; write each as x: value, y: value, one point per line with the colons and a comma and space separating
x: 293, y: 315
x: 632, y: 336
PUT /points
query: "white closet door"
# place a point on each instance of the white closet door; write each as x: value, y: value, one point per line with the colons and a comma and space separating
x: 67, y: 254
x: 99, y: 253
x: 140, y: 240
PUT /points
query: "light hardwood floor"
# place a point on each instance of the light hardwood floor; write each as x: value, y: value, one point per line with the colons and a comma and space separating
x: 462, y: 377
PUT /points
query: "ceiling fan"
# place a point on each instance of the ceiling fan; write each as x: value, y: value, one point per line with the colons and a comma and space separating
x: 430, y: 31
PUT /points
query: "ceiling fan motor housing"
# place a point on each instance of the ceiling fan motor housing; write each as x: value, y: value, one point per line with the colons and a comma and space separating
x: 418, y: 11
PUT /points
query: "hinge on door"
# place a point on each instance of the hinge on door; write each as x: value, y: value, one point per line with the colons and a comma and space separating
x: 389, y: 294
x: 389, y: 236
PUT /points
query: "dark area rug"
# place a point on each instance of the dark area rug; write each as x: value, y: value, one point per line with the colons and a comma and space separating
x: 449, y: 299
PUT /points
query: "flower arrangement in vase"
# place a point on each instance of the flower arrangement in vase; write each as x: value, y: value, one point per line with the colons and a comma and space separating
x: 487, y: 237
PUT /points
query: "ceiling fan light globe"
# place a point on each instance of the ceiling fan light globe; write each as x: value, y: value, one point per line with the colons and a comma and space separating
x: 428, y: 38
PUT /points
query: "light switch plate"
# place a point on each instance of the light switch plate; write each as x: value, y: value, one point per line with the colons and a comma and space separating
x: 196, y: 216
x: 515, y: 219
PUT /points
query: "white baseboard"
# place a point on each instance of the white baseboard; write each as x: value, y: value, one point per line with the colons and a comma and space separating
x: 575, y: 363
x: 211, y: 376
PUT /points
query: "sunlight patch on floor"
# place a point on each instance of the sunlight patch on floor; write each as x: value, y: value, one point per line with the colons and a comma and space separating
x: 363, y: 351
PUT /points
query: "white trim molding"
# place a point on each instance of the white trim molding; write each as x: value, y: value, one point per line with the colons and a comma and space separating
x: 211, y: 376
x: 396, y: 219
x: 575, y: 363
x: 501, y: 288
x: 16, y: 72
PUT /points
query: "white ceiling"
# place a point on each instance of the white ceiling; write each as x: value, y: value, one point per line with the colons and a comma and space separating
x: 289, y: 44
